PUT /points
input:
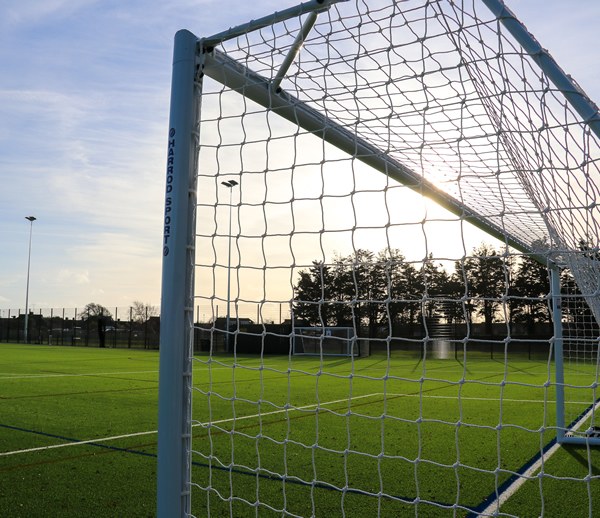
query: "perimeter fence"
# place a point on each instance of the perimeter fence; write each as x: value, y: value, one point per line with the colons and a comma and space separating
x: 267, y: 329
x: 127, y: 326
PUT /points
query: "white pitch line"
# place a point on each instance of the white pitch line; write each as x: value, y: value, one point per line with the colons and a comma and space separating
x: 137, y: 434
x: 30, y: 376
x: 514, y: 487
x: 473, y: 398
x: 77, y: 443
x: 285, y: 410
x: 8, y: 376
x: 494, y: 507
x: 505, y: 400
x: 196, y: 369
x: 266, y: 414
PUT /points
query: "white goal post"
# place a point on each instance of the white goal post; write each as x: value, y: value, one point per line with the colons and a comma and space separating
x: 333, y: 125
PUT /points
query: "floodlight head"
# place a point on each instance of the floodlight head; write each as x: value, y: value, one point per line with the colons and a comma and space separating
x: 30, y: 218
x: 230, y: 183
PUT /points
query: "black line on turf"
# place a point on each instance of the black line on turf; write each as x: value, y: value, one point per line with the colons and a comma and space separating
x: 496, y: 494
x: 80, y: 393
x: 105, y: 446
x: 101, y: 376
x: 274, y: 478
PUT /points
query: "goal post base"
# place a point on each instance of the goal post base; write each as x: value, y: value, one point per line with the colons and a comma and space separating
x: 579, y: 440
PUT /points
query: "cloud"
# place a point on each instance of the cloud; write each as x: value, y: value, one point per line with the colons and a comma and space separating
x: 74, y: 276
x: 83, y: 119
x: 30, y: 11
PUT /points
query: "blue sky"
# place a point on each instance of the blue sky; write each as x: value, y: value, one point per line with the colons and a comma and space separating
x: 84, y: 97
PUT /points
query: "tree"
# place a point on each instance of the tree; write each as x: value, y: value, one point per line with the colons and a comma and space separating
x: 365, y: 289
x: 97, y: 313
x: 590, y: 251
x: 413, y: 294
x: 529, y: 288
x: 141, y: 312
x: 344, y: 293
x: 435, y: 277
x: 435, y: 281
x: 390, y: 273
x: 315, y: 285
x: 93, y: 311
x: 485, y: 274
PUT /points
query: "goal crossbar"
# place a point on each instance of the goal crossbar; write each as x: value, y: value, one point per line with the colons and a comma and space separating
x: 315, y: 6
x: 237, y: 77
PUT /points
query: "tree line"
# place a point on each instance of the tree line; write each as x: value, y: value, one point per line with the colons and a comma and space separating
x: 140, y: 312
x: 373, y: 289
x: 98, y: 315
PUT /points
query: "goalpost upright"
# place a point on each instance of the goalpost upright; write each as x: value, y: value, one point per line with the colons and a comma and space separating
x: 177, y: 302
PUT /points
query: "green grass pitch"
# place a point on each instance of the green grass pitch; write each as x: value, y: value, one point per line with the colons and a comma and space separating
x: 412, y: 441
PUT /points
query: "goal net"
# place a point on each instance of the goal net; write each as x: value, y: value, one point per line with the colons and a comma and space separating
x: 327, y: 341
x: 580, y: 355
x: 424, y: 176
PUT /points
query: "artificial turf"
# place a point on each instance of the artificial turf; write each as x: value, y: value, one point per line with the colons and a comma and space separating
x: 288, y: 436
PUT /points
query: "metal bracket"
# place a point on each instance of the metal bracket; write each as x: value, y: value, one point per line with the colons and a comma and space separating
x: 307, y: 26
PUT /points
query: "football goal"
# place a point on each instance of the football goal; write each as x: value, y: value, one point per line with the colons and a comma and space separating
x: 326, y: 341
x: 416, y: 177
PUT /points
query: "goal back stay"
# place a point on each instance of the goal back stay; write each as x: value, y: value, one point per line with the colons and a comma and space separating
x: 345, y: 159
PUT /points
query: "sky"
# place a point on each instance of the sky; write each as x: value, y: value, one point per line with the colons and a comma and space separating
x: 84, y: 101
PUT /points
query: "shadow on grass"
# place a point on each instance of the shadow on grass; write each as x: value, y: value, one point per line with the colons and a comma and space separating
x: 579, y: 453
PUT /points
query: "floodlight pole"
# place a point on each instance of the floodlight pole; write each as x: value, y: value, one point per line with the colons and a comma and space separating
x: 230, y: 184
x: 31, y: 219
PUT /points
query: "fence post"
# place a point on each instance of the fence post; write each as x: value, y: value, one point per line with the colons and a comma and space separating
x: 130, y: 327
x: 87, y: 328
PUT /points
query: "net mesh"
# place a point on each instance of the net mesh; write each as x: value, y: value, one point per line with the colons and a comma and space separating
x: 580, y: 350
x: 457, y: 398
